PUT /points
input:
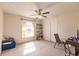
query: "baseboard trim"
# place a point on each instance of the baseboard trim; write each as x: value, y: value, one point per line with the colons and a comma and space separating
x: 25, y: 42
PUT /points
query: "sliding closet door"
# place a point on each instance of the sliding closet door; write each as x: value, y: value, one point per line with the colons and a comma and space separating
x: 67, y: 25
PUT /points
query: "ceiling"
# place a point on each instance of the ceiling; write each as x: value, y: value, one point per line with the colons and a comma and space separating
x: 27, y: 8
x: 23, y: 8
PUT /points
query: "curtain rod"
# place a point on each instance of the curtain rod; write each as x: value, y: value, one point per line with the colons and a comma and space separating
x: 28, y: 19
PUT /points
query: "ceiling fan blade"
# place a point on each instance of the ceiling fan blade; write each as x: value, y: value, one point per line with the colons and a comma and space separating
x: 33, y: 15
x: 44, y: 16
x: 38, y: 11
x: 46, y: 13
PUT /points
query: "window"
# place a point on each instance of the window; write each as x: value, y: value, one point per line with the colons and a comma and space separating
x: 27, y: 29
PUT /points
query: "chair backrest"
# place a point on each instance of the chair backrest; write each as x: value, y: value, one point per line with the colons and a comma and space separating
x: 57, y: 38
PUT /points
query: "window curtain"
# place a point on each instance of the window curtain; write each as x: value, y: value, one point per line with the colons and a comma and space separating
x: 28, y: 29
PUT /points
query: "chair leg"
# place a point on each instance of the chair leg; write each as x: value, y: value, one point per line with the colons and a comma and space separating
x: 55, y: 44
x: 69, y: 51
x: 65, y: 49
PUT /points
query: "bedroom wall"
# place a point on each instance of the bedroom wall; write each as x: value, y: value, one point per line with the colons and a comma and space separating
x: 12, y: 27
x: 1, y: 28
x: 64, y: 20
x: 65, y: 25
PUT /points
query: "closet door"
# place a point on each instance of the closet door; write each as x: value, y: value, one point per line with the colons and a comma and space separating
x: 67, y: 26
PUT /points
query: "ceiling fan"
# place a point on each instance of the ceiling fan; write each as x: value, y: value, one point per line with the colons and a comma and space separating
x: 41, y: 13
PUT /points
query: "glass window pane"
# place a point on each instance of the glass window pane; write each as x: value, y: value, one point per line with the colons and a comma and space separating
x: 27, y: 29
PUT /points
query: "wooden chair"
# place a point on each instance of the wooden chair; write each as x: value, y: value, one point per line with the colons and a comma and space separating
x: 58, y: 41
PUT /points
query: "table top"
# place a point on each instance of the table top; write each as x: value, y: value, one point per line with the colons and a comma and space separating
x: 73, y: 42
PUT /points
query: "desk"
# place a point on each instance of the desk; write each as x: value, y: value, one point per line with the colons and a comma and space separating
x: 74, y: 43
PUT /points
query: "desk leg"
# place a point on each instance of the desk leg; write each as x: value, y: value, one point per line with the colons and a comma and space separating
x: 65, y: 49
x: 76, y: 51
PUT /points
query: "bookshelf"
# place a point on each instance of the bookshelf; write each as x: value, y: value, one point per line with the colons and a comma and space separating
x: 39, y: 31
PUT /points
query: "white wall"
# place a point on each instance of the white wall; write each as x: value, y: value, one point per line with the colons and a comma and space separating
x: 1, y: 28
x: 65, y: 25
x: 12, y: 27
x: 64, y: 21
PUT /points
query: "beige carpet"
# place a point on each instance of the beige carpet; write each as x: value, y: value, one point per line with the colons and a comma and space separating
x: 35, y: 48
